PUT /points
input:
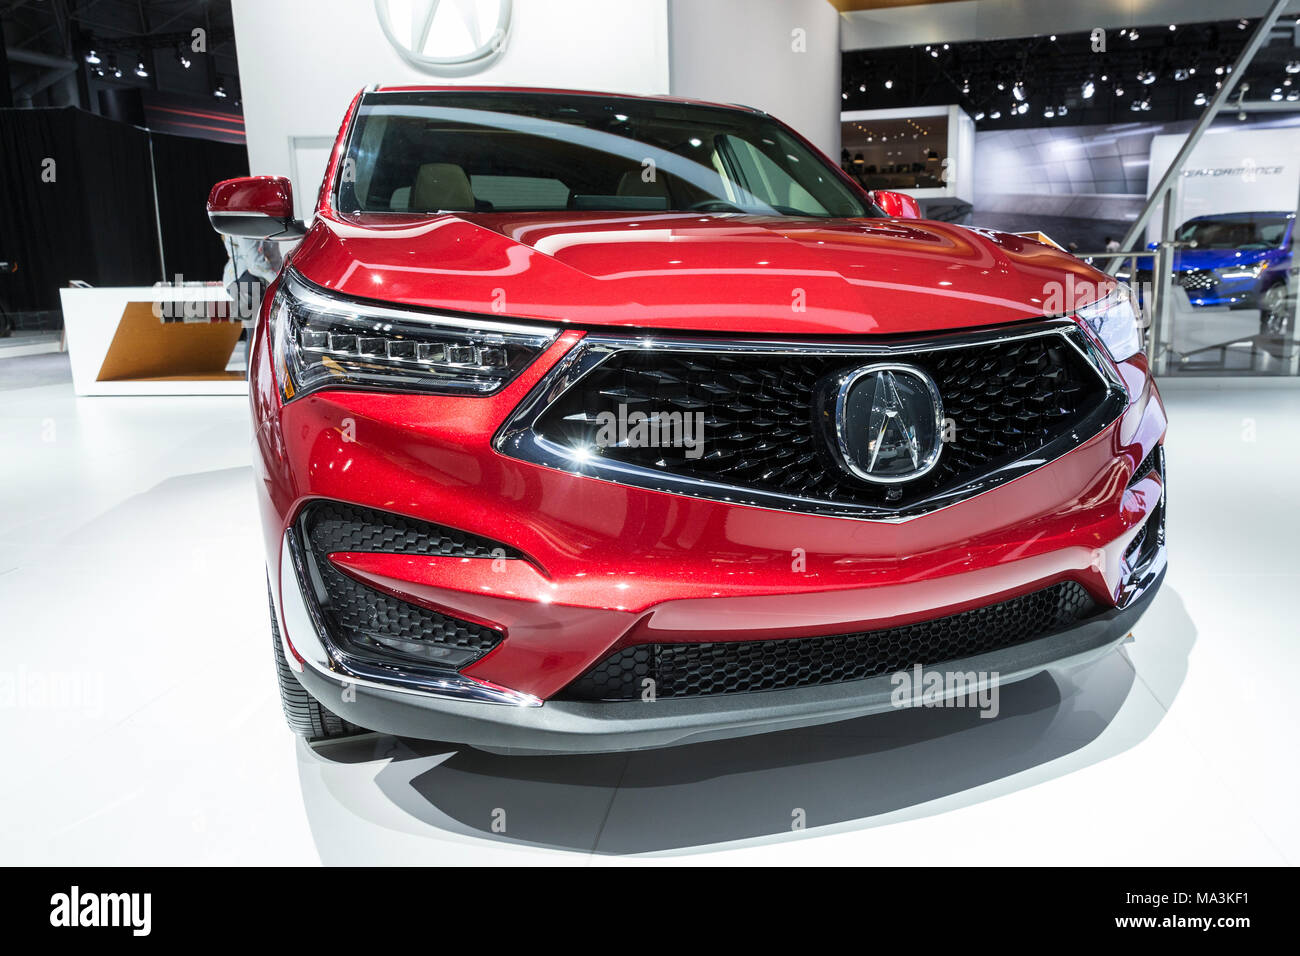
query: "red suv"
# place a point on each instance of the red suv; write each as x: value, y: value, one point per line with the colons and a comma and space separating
x: 591, y: 422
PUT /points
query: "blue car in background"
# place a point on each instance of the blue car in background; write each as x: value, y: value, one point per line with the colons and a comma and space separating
x: 1242, y: 260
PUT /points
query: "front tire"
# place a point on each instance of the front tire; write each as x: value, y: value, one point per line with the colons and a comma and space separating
x: 1275, y: 316
x: 303, y: 713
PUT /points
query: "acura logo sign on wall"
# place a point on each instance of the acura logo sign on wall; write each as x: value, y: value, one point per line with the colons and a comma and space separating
x: 888, y: 423
x: 446, y: 37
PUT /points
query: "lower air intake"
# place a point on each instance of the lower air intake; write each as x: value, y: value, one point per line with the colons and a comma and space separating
x: 733, y: 667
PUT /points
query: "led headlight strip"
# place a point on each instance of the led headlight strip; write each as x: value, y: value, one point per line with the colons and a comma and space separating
x: 325, y: 341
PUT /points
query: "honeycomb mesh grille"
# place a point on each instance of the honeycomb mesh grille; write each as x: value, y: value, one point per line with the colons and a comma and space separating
x: 693, y: 670
x: 375, y: 627
x: 338, y: 526
x: 1195, y: 280
x: 1146, y: 466
x: 762, y: 428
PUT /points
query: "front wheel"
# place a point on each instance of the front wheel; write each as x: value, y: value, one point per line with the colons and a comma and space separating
x: 303, y: 713
x: 1276, y: 316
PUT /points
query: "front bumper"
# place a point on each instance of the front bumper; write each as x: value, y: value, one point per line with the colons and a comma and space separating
x: 499, y: 721
x: 607, y: 565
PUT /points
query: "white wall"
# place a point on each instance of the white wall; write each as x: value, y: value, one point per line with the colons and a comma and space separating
x: 301, y: 63
x: 744, y: 51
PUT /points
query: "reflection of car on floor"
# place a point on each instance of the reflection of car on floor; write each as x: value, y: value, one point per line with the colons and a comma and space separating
x: 1241, y: 260
x: 590, y: 423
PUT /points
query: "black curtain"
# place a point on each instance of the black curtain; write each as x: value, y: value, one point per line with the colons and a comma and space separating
x: 77, y: 202
x: 187, y: 169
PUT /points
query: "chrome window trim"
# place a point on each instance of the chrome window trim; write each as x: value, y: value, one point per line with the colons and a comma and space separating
x: 517, y: 438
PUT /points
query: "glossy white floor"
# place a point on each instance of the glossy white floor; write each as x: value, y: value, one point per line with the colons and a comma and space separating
x: 131, y: 582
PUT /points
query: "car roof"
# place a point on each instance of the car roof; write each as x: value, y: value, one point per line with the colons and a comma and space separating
x: 653, y: 98
x: 1242, y: 215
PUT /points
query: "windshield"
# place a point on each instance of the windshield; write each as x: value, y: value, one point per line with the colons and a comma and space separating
x: 1244, y: 231
x: 427, y: 152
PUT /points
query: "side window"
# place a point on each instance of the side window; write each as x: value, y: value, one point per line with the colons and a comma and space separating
x: 768, y: 181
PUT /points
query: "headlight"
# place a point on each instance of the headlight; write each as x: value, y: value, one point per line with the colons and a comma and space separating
x: 1115, y: 322
x: 1251, y: 271
x: 321, y: 341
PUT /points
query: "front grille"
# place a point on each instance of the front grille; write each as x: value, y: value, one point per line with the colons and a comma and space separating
x: 764, y: 428
x: 1195, y: 280
x: 376, y: 628
x: 693, y: 670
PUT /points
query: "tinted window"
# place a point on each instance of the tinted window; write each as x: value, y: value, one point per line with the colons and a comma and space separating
x: 486, y: 152
x: 1244, y: 231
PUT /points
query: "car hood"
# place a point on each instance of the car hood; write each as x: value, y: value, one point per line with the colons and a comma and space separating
x: 1187, y: 259
x: 727, y: 273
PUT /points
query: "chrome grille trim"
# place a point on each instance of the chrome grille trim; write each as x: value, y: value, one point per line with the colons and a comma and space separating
x: 517, y: 438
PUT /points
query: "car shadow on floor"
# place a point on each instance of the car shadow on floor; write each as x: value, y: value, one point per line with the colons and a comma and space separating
x: 845, y: 774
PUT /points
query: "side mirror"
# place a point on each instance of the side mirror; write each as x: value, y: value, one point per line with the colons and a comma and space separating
x: 254, y: 207
x: 897, y: 205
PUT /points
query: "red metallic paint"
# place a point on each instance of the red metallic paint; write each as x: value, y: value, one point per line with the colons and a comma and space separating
x: 269, y: 195
x: 898, y: 205
x: 609, y: 564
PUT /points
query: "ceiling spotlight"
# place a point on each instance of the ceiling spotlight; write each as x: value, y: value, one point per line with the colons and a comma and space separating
x: 1218, y: 71
x: 1276, y: 95
x: 220, y: 91
x: 934, y: 53
x: 92, y: 58
x: 1293, y: 66
x: 996, y: 114
x: 1087, y: 89
x: 1049, y: 113
x: 844, y: 96
x: 1052, y: 38
x: 979, y: 116
x: 1123, y: 31
x: 1292, y: 96
x: 1172, y: 27
x: 889, y: 84
x: 1146, y: 77
x: 862, y: 87
x: 1181, y: 75
x: 1200, y: 100
x: 1119, y: 90
x: 140, y: 70
x: 1132, y: 34
x: 1022, y: 108
x: 1018, y: 91
x: 965, y: 87
x: 1146, y: 104
x: 1242, y: 24
x: 1061, y: 111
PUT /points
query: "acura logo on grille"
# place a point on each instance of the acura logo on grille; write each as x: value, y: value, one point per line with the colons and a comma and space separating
x: 888, y: 423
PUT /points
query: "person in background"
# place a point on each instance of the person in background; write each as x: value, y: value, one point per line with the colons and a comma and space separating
x: 1112, y: 245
